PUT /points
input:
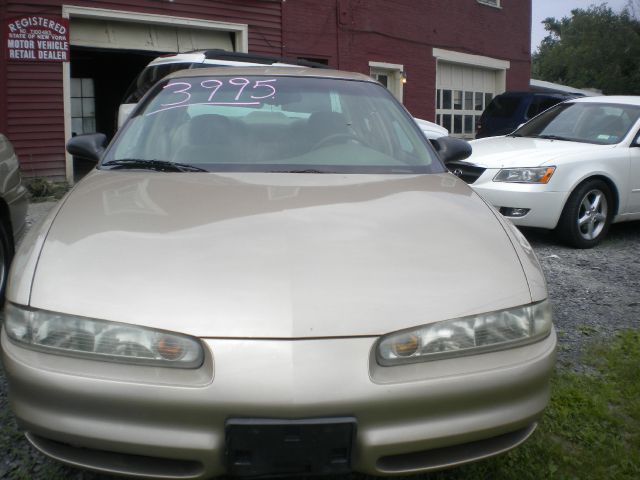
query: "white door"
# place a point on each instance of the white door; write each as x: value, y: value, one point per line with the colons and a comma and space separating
x: 634, y: 195
x: 462, y: 93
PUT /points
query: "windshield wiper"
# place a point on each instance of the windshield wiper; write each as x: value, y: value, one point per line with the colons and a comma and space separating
x: 308, y: 170
x: 552, y: 137
x: 157, y: 165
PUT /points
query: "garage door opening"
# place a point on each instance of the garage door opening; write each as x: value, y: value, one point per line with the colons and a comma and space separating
x: 99, y: 80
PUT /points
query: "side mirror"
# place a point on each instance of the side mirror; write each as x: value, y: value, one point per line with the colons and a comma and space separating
x: 451, y: 149
x: 90, y: 146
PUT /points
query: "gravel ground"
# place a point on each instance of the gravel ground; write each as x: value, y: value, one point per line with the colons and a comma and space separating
x: 595, y: 293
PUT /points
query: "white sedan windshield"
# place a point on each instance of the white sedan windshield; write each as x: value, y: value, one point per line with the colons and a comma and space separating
x: 275, y: 124
x: 599, y: 123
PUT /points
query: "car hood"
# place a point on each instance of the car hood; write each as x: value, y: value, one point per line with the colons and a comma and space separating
x: 508, y: 152
x: 276, y: 255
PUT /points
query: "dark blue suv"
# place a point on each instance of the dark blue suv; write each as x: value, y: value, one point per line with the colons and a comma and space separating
x: 509, y: 110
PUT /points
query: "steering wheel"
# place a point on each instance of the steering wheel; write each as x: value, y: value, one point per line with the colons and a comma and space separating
x: 335, y: 139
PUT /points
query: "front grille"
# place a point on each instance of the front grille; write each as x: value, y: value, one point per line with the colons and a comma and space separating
x: 465, y: 171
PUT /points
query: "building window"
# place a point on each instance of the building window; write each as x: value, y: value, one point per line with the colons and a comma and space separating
x: 83, y: 106
x: 383, y: 78
x: 492, y: 3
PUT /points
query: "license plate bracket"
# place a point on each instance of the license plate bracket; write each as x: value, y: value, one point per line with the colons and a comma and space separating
x: 267, y: 447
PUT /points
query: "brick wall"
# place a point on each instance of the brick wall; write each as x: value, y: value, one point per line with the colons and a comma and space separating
x: 351, y: 33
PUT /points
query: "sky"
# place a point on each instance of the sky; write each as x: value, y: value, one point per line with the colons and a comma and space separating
x: 561, y: 8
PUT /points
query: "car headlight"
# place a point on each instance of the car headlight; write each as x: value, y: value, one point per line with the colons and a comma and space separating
x: 100, y: 339
x: 467, y: 335
x: 525, y: 175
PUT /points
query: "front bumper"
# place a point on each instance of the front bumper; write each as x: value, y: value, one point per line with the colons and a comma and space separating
x: 166, y: 423
x: 545, y: 206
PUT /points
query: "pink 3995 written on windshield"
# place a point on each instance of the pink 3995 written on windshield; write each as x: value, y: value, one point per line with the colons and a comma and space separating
x: 233, y: 91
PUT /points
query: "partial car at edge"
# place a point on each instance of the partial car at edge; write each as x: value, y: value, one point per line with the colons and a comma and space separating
x: 271, y: 272
x: 13, y: 208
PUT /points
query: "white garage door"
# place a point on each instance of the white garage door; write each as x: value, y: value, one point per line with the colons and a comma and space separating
x: 89, y: 32
x: 462, y: 93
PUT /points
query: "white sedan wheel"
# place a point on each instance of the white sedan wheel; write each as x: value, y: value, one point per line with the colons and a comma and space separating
x: 592, y: 215
x: 587, y: 214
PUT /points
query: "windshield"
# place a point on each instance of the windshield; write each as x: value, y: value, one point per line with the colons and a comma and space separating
x: 275, y: 124
x: 598, y: 123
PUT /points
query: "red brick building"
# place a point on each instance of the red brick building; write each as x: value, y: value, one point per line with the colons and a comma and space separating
x: 443, y: 58
x: 454, y: 54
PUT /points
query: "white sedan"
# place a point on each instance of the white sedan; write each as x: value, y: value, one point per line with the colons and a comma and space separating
x: 574, y: 168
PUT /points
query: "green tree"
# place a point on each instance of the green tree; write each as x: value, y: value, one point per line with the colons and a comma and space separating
x: 594, y: 48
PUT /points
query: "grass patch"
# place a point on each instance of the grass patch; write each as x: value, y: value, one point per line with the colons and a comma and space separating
x: 591, y: 428
x: 43, y: 190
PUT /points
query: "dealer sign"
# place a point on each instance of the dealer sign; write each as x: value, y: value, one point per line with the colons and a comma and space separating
x: 37, y: 38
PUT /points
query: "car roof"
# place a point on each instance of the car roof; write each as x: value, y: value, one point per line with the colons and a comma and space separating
x: 619, y: 99
x: 566, y: 95
x: 272, y: 71
x: 227, y: 58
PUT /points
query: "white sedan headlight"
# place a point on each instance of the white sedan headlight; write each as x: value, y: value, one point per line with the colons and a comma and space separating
x: 525, y: 175
x: 467, y: 336
x: 100, y: 339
